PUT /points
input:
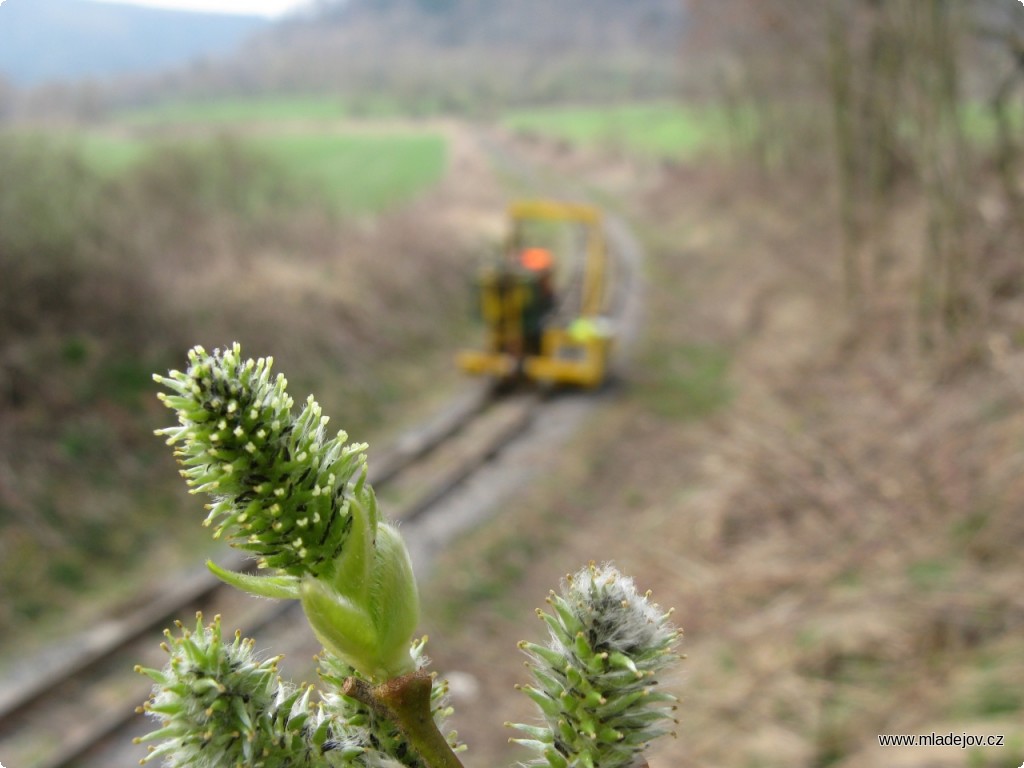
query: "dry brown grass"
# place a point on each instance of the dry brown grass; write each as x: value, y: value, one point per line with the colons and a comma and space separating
x: 841, y: 542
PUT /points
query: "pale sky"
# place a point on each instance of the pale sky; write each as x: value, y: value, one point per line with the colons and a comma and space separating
x: 259, y: 7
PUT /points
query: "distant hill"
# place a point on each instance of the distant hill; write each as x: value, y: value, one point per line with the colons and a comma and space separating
x: 455, y: 55
x: 72, y: 40
x: 410, y: 56
x: 531, y: 25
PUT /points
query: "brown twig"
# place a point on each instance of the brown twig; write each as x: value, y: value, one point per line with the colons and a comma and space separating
x: 405, y: 701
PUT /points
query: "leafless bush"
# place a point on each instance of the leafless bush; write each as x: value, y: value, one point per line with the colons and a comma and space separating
x: 885, y: 94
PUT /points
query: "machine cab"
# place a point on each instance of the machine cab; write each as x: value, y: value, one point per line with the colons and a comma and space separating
x: 543, y: 299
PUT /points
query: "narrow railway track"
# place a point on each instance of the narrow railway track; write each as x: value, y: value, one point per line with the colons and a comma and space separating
x: 88, y: 697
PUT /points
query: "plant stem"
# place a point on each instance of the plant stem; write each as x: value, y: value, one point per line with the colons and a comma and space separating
x: 406, y: 701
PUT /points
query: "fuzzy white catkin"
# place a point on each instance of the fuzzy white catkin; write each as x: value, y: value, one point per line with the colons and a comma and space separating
x: 595, y: 681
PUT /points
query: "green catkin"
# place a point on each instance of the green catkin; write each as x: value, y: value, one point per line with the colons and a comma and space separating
x: 280, y: 488
x: 594, y: 682
x: 297, y: 500
x: 219, y: 706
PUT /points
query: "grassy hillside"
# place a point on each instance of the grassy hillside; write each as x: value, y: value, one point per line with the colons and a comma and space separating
x: 119, y: 254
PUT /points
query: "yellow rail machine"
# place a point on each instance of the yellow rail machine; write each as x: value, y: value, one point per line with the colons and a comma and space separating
x: 543, y: 300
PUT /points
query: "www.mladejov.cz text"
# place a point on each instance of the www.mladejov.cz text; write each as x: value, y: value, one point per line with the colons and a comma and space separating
x: 962, y: 740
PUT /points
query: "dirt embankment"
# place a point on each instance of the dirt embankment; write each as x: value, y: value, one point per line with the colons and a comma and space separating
x: 834, y: 516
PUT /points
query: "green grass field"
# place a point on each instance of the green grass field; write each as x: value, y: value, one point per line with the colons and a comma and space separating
x: 237, y: 111
x: 110, y: 156
x: 351, y: 173
x: 655, y: 130
x: 678, y: 132
x: 361, y: 173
